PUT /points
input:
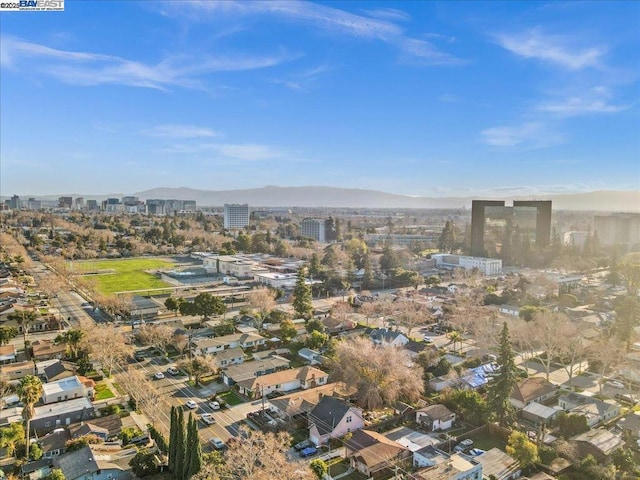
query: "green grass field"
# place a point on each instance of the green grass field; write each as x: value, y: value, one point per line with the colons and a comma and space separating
x: 103, y: 392
x: 129, y: 273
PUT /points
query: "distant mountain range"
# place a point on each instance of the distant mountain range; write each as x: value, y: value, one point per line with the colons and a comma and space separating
x: 315, y: 196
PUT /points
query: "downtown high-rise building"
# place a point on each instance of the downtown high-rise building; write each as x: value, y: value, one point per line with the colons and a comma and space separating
x: 236, y: 216
x: 313, y: 228
x: 496, y: 228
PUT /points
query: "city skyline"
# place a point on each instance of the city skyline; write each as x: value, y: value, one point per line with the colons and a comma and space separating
x: 412, y: 98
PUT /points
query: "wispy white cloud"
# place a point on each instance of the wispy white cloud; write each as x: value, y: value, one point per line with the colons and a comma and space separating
x: 323, y: 17
x: 555, y: 49
x: 389, y: 14
x: 595, y: 101
x: 180, y: 131
x: 243, y: 152
x: 302, y: 80
x: 527, y: 135
x: 86, y: 68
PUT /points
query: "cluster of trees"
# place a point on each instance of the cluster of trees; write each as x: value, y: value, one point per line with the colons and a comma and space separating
x: 203, y: 304
x: 185, y: 451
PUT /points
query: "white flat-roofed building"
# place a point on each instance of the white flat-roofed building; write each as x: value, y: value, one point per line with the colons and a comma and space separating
x: 231, y: 265
x: 236, y: 216
x: 276, y: 280
x: 488, y: 266
x: 65, y: 389
x: 313, y: 228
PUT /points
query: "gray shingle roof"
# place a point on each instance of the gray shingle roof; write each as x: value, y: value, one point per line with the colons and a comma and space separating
x: 77, y: 464
x: 328, y: 413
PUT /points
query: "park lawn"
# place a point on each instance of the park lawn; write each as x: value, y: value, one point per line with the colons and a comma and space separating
x: 129, y: 273
x: 103, y: 392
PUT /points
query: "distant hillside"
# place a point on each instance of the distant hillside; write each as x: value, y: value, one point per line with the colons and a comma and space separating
x: 312, y: 196
x: 333, y: 197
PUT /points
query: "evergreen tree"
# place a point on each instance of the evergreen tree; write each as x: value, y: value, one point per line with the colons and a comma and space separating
x: 188, y: 449
x: 195, y: 450
x: 302, y: 297
x: 180, y: 446
x: 447, y: 240
x: 172, y: 438
x: 502, y: 386
x: 367, y: 279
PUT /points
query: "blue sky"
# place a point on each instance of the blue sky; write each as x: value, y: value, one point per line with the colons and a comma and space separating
x: 417, y: 98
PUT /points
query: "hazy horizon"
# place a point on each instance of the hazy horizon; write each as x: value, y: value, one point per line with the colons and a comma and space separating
x: 429, y: 99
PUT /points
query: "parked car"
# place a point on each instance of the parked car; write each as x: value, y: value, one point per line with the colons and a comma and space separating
x: 218, y: 443
x: 158, y: 375
x: 214, y: 405
x: 308, y: 452
x: 476, y: 451
x: 173, y: 371
x: 615, y: 384
x: 208, y: 418
x: 464, y: 445
x: 428, y: 339
x: 191, y: 405
x: 302, y: 445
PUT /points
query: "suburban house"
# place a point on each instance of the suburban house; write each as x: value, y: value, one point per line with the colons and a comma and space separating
x: 230, y: 356
x: 436, y: 417
x: 333, y: 417
x: 88, y: 428
x: 497, y: 463
x: 47, y: 350
x: 300, y: 403
x: 598, y: 442
x: 283, y: 381
x: 204, y: 346
x: 384, y: 336
x: 85, y: 464
x: 537, y: 413
x: 16, y: 371
x: 374, y: 455
x: 55, y: 415
x: 595, y: 410
x: 65, y: 389
x: 631, y: 429
x: 53, y: 444
x: 311, y: 356
x: 533, y: 389
x: 7, y: 353
x: 449, y: 467
x: 510, y: 310
x: 247, y: 370
x: 57, y: 370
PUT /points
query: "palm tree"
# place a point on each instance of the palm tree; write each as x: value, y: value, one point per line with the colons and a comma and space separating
x: 455, y: 337
x: 72, y: 339
x: 29, y: 391
x: 24, y: 318
x: 6, y: 334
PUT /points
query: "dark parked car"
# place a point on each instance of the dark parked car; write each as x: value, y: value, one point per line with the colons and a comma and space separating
x: 302, y: 445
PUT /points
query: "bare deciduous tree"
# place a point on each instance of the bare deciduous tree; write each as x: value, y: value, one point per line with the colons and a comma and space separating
x: 158, y: 336
x: 106, y: 344
x: 263, y: 301
x: 381, y: 375
x: 258, y: 456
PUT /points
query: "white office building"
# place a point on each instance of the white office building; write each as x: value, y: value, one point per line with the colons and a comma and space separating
x: 236, y: 216
x: 488, y: 266
x: 313, y: 228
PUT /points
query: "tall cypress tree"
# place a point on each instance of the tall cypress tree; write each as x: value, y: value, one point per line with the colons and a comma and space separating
x: 302, y: 300
x: 501, y: 388
x: 188, y: 449
x: 195, y: 450
x: 172, y: 439
x: 180, y: 446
